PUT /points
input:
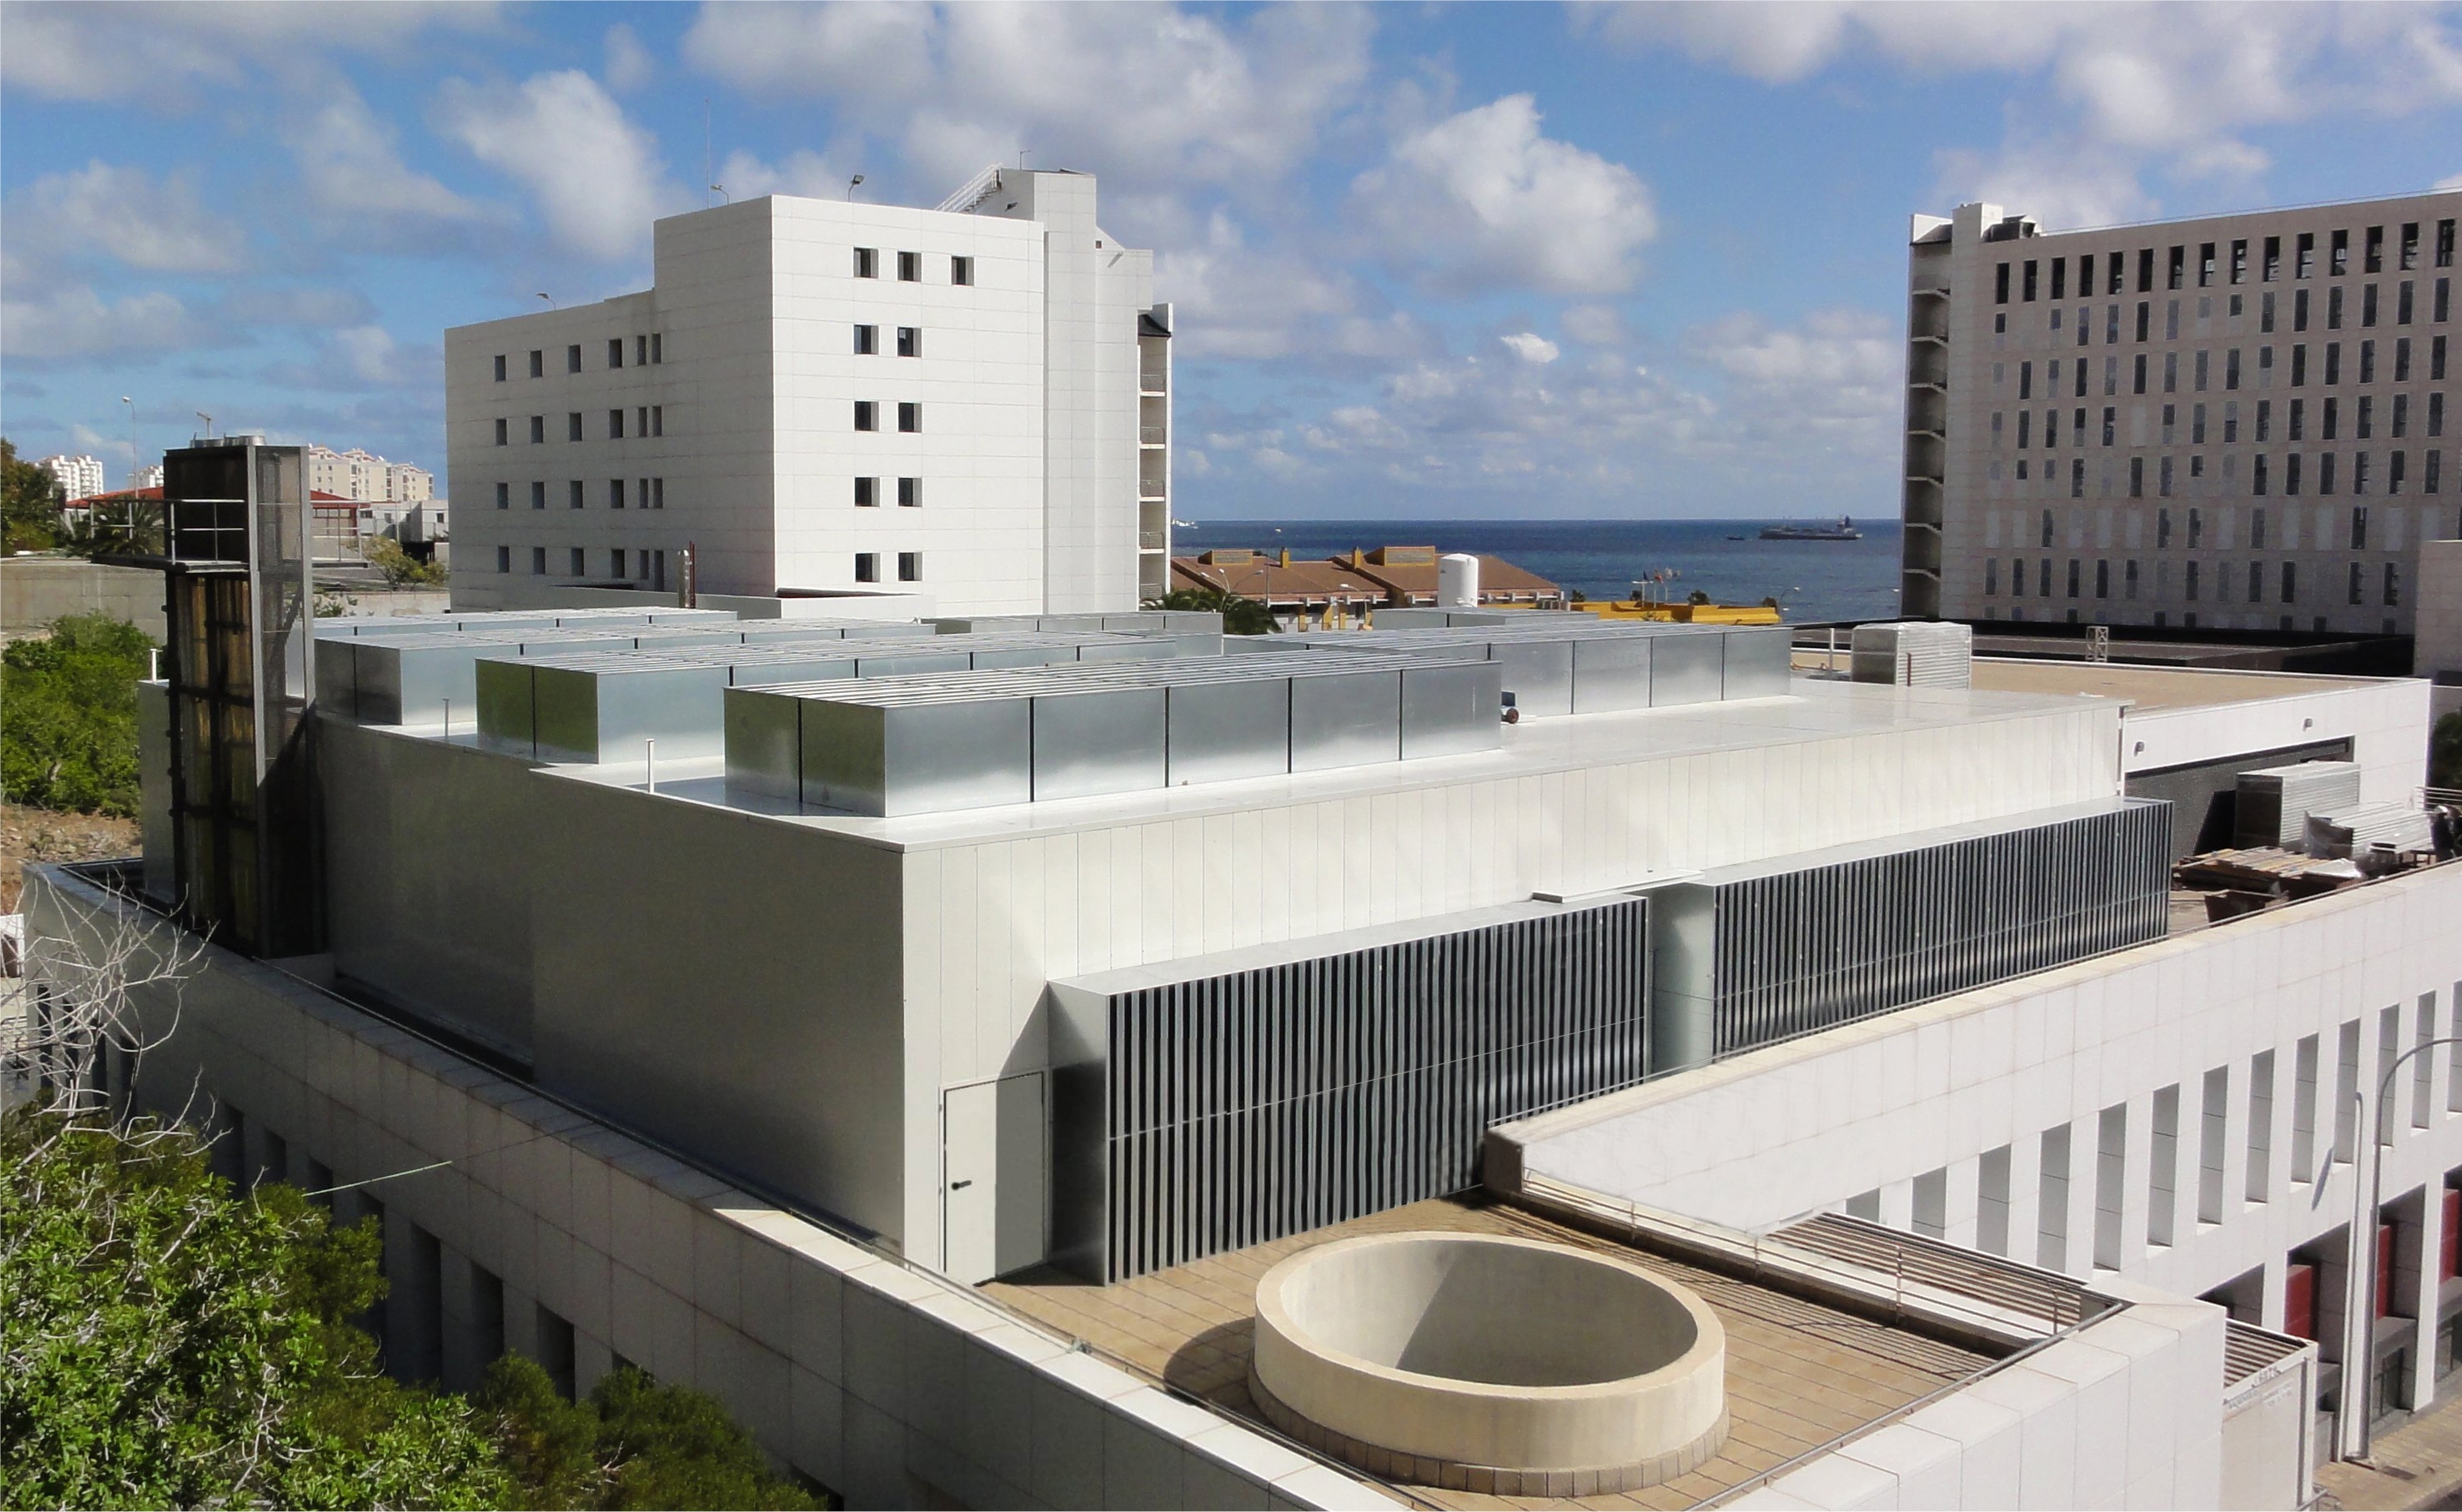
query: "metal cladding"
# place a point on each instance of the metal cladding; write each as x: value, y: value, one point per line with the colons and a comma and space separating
x: 2273, y: 804
x: 493, y: 621
x: 605, y: 707
x: 409, y: 679
x: 1802, y: 949
x: 927, y: 744
x: 1226, y: 1109
x: 1919, y: 652
x: 1574, y: 664
x: 1140, y: 621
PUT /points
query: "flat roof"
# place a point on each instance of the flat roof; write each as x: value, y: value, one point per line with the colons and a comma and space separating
x: 2153, y: 688
x: 1799, y: 1373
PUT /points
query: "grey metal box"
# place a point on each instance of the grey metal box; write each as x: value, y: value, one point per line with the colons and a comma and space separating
x: 764, y: 733
x: 885, y: 663
x: 1451, y: 709
x: 1611, y: 672
x: 1022, y: 657
x: 1345, y: 718
x: 1221, y: 731
x: 823, y: 663
x: 409, y: 682
x: 337, y: 679
x: 507, y: 712
x: 1098, y: 742
x: 1538, y: 674
x: 1759, y: 662
x: 603, y: 714
x: 918, y: 757
x: 1687, y: 668
x: 1144, y: 648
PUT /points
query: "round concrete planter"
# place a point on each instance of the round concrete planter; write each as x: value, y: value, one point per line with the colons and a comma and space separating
x: 1492, y: 1364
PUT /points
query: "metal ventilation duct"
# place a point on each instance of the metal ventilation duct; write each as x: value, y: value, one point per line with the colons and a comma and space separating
x: 1554, y: 666
x: 2272, y: 803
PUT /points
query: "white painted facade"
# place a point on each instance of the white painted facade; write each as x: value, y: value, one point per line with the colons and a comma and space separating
x: 2386, y: 720
x: 80, y: 477
x: 2209, y: 430
x: 725, y: 408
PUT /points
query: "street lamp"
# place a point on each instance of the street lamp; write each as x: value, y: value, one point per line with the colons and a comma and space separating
x: 2359, y: 1218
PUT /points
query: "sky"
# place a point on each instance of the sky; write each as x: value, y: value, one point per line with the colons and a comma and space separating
x: 1428, y: 261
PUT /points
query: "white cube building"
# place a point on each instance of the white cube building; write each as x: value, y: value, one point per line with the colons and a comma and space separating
x: 830, y: 399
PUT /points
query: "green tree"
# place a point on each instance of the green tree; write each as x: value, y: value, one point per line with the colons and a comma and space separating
x: 169, y: 1344
x: 634, y: 1443
x: 1241, y: 616
x: 2444, y: 753
x: 402, y: 569
x: 29, y: 503
x: 69, y: 737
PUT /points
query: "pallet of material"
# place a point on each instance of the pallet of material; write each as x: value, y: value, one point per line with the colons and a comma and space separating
x: 2265, y: 869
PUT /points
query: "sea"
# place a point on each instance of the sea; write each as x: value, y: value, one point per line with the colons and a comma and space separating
x: 1812, y: 580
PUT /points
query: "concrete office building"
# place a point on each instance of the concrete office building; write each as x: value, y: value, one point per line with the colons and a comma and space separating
x: 933, y: 1041
x: 2241, y: 422
x: 825, y: 398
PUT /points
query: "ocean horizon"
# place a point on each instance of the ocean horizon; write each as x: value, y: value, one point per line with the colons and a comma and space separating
x: 1812, y: 580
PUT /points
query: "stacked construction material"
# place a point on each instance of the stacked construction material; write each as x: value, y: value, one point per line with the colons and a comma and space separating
x: 1915, y: 652
x: 2273, y: 802
x: 2369, y: 830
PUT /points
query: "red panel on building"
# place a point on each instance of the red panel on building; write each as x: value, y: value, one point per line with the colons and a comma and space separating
x: 2449, y: 1237
x: 2300, y: 1301
x: 2385, y: 1269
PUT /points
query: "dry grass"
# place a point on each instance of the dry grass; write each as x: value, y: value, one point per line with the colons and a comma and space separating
x: 39, y: 834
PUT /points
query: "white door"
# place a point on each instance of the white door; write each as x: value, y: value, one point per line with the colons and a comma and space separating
x: 992, y: 1207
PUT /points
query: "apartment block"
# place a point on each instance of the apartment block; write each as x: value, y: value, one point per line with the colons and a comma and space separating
x: 80, y: 477
x: 833, y: 399
x: 2242, y: 422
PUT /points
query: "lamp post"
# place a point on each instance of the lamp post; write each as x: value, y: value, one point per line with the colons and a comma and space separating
x: 2367, y: 1218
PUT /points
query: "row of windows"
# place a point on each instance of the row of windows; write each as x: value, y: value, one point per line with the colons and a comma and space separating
x: 2211, y: 266
x: 646, y: 564
x: 910, y: 493
x: 2387, y: 579
x: 2405, y: 310
x: 2329, y: 427
x: 648, y: 420
x: 909, y: 567
x: 2262, y: 478
x: 646, y: 350
x: 2201, y: 375
x: 648, y: 494
x: 2196, y: 529
x: 866, y: 416
x: 910, y: 266
x: 910, y: 342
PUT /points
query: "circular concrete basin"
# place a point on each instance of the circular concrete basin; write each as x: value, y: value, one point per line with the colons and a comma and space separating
x: 1459, y: 1359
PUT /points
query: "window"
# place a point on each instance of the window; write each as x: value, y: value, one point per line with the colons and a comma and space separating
x: 2025, y: 383
x: 616, y: 562
x: 614, y: 493
x: 910, y: 417
x: 2366, y: 417
x: 867, y: 567
x: 2367, y: 306
x: 2291, y: 479
x: 2375, y: 256
x: 538, y: 364
x: 572, y: 357
x: 2189, y: 578
x: 657, y: 347
x: 910, y: 268
x: 2178, y: 269
x: 962, y: 270
x: 501, y: 425
x: 2060, y: 286
x: 2000, y: 284
x: 910, y: 493
x: 2145, y: 317
x: 2110, y: 423
x: 504, y: 496
x: 2205, y: 265
x: 2298, y: 363
x: 2333, y: 363
x: 616, y: 424
x: 640, y: 493
x: 615, y: 352
x: 641, y: 352
x: 2231, y: 370
x: 2170, y: 424
x: 499, y: 367
x: 538, y: 430
x: 2102, y: 578
x: 2171, y: 320
x: 867, y: 262
x: 658, y: 493
x: 2401, y: 422
x: 2360, y: 528
x: 2028, y: 296
x: 2436, y: 360
x: 578, y: 567
x: 2140, y: 371
x: 2290, y: 583
x: 572, y: 426
x: 2265, y: 313
x: 2444, y: 244
x: 2257, y: 526
x: 867, y: 415
x: 538, y: 561
x: 2264, y: 420
x: 2402, y: 305
x: 2117, y: 281
x: 2307, y: 254
x: 2239, y: 262
x: 2341, y: 261
x: 2394, y: 472
x: 504, y: 558
x: 2360, y: 472
x: 909, y: 567
x: 1991, y: 576
x: 2367, y: 362
x: 573, y: 494
x: 867, y: 493
x: 640, y: 419
x: 2357, y: 583
x: 867, y: 340
x: 910, y: 342
x: 2299, y: 310
x: 2137, y: 477
x: 538, y: 495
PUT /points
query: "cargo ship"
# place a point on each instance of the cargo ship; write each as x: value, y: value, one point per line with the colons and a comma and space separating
x: 1843, y: 530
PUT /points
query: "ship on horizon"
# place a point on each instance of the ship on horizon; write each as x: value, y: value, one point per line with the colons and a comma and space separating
x: 1843, y: 530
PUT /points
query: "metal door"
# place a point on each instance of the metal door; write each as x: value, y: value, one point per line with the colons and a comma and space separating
x: 993, y: 1215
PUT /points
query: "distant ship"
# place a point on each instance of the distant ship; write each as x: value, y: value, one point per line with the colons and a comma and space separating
x: 1843, y: 530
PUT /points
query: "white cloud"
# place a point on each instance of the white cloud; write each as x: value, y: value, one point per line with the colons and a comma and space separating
x: 2062, y: 185
x: 806, y: 173
x: 2453, y: 182
x: 184, y: 54
x: 1482, y: 199
x: 629, y: 64
x: 596, y: 177
x: 127, y: 214
x: 72, y: 323
x: 354, y: 176
x: 1532, y: 347
x: 1229, y: 300
x: 1592, y: 325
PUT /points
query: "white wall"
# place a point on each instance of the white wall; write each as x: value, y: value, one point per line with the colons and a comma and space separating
x: 2386, y: 720
x: 2439, y: 644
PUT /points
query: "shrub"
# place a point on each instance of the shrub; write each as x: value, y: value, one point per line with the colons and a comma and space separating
x: 68, y: 738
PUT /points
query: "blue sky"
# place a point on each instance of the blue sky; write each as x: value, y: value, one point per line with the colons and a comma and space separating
x: 1468, y: 261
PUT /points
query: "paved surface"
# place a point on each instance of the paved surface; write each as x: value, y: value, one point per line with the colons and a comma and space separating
x: 2417, y: 1465
x: 1799, y: 1374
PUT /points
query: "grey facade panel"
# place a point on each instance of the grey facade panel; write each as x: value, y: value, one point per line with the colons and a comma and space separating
x: 1804, y: 950
x: 1217, y: 1113
x: 1223, y: 731
x: 1086, y: 743
x: 1346, y: 720
x: 1686, y: 669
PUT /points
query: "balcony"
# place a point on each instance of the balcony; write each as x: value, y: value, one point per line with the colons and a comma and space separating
x: 1921, y: 552
x: 1927, y: 365
x: 1153, y: 540
x: 1927, y: 410
x: 1922, y: 502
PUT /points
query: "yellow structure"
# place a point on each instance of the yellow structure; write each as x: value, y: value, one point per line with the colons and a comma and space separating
x: 1682, y: 614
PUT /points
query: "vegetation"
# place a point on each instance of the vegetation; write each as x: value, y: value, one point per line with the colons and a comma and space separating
x: 171, y: 1343
x: 400, y: 569
x: 1241, y: 616
x: 2444, y: 753
x: 29, y: 504
x: 68, y: 739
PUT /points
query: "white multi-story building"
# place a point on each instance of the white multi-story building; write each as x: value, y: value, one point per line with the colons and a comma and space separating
x: 363, y: 477
x: 80, y: 477
x: 833, y: 398
x: 149, y: 476
x: 2244, y: 422
x: 406, y: 483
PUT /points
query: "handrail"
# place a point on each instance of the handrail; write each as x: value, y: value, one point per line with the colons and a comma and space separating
x: 973, y: 192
